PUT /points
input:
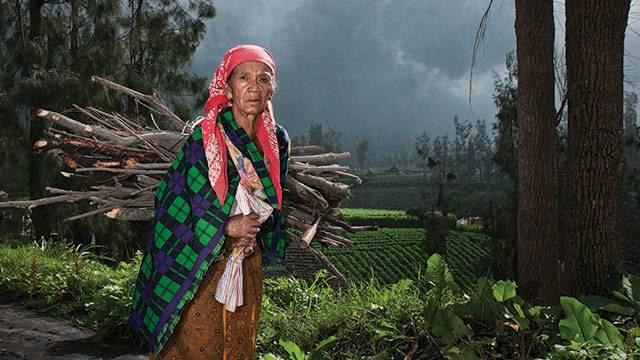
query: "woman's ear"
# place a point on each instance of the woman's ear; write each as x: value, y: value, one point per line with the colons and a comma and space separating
x: 227, y: 92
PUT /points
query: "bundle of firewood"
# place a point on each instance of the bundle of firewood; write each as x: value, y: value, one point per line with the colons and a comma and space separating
x: 122, y: 162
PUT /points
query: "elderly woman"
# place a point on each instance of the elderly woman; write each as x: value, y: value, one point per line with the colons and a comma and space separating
x: 235, y: 158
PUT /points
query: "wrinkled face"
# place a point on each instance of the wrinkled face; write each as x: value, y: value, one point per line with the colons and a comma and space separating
x: 250, y: 87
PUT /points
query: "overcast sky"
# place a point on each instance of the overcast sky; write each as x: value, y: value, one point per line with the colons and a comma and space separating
x: 385, y: 68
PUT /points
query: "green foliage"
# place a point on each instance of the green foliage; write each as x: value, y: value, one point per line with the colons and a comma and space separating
x: 392, y: 254
x: 380, y: 217
x: 69, y: 281
x: 431, y: 317
x: 580, y: 325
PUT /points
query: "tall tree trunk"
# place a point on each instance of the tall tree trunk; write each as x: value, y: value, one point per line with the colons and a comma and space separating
x: 538, y: 205
x: 36, y: 130
x: 74, y: 33
x: 35, y: 18
x: 595, y: 44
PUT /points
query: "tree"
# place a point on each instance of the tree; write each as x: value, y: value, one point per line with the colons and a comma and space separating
x: 441, y: 148
x: 422, y: 149
x: 361, y: 151
x: 595, y: 47
x: 631, y: 198
x: 506, y: 125
x: 69, y: 41
x: 482, y: 150
x: 538, y: 262
x: 329, y: 139
x: 501, y: 218
x: 463, y: 164
x: 631, y: 130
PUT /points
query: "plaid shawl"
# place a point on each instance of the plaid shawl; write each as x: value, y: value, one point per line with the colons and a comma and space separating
x: 188, y: 231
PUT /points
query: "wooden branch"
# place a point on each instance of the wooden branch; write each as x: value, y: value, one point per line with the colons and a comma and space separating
x: 307, y: 150
x: 147, y: 180
x: 338, y: 190
x: 338, y: 240
x: 148, y: 99
x: 95, y: 118
x: 128, y: 214
x: 350, y: 176
x: 30, y: 204
x: 311, y: 169
x: 305, y: 195
x: 337, y: 229
x: 83, y: 129
x: 165, y: 155
x: 126, y: 171
x: 90, y: 213
x: 323, y: 259
x: 149, y: 166
x: 321, y: 159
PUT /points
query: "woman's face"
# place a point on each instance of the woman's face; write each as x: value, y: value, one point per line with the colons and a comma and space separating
x: 250, y: 87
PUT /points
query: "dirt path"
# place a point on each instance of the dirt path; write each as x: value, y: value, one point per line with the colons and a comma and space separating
x: 25, y: 334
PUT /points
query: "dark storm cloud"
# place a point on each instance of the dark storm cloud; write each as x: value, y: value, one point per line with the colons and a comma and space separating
x: 391, y: 68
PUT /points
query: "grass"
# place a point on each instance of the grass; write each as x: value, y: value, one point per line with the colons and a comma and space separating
x: 368, y: 320
x: 69, y: 282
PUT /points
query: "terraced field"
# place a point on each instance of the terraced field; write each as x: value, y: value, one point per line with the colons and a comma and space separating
x: 392, y: 254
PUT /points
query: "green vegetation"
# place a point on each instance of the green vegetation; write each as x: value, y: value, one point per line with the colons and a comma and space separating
x: 406, y: 191
x: 380, y: 217
x: 432, y: 317
x: 390, y: 255
x: 69, y: 281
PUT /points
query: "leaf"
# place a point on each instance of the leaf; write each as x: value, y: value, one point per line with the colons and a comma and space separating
x: 437, y: 271
x: 323, y: 343
x: 293, y: 349
x: 504, y: 290
x: 595, y: 303
x: 633, y: 287
x: 448, y: 326
x: 579, y: 323
x: 456, y: 353
x: 482, y: 306
x: 270, y: 356
x: 609, y: 335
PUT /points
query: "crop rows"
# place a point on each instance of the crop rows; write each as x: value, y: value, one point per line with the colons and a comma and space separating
x: 468, y: 255
x: 394, y: 254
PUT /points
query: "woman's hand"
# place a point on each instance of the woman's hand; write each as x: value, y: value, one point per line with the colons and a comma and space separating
x: 243, y: 226
x: 248, y: 244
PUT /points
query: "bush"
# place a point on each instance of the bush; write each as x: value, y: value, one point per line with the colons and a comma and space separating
x: 431, y: 317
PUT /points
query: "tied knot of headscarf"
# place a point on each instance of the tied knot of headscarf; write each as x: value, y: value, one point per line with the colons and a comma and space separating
x: 212, y: 139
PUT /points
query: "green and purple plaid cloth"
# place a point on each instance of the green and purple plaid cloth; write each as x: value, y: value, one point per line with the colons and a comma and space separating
x: 188, y: 231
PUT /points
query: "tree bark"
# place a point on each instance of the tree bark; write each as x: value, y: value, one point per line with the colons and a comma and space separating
x: 538, y: 205
x: 41, y: 225
x: 595, y: 46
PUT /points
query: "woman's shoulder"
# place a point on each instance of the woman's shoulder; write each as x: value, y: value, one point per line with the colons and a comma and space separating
x: 283, y: 136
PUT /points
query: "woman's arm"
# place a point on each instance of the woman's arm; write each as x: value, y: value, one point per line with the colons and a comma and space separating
x: 274, y: 240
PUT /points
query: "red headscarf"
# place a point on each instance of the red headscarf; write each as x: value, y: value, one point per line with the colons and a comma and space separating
x: 214, y: 145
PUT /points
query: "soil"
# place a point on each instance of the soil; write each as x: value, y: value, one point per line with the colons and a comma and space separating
x: 26, y: 334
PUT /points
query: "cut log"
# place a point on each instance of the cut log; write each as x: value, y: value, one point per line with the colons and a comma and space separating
x: 128, y: 214
x: 84, y: 129
x: 311, y: 169
x: 305, y: 194
x: 307, y: 150
x: 328, y: 188
x: 321, y: 159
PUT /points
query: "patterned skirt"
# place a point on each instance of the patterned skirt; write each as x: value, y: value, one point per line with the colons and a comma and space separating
x: 207, y: 331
